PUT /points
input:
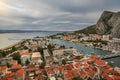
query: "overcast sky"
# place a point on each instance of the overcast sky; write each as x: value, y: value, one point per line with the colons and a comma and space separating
x: 53, y: 14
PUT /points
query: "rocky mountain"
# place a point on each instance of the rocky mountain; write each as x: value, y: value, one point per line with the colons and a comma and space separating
x: 108, y: 23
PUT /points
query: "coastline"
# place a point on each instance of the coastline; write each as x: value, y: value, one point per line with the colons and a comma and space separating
x: 14, y: 44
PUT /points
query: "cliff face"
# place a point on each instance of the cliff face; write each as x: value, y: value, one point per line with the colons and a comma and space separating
x: 109, y: 23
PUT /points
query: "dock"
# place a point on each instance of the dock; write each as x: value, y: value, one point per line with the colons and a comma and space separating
x: 108, y: 56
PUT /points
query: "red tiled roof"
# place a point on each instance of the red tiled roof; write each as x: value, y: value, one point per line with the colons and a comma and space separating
x: 20, y: 72
x: 108, y: 66
x: 10, y: 75
x: 76, y: 60
x: 76, y: 65
x: 116, y: 77
x: 31, y: 66
x: 41, y: 71
x: 25, y: 53
x: 85, y: 61
x: 50, y: 71
x: 67, y: 67
x: 100, y: 62
x: 94, y: 57
x: 3, y: 67
x: 112, y: 72
x: 7, y: 78
x: 57, y: 68
x: 75, y: 72
x: 82, y: 73
x: 68, y: 75
x: 16, y: 66
x: 85, y: 65
x: 10, y: 78
x: 86, y: 79
x: 92, y: 67
x: 109, y: 78
x: 89, y: 72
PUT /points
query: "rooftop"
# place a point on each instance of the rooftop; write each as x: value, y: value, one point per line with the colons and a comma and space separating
x: 36, y: 54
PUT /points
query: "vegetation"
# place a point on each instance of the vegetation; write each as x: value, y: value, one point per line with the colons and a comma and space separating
x: 64, y: 61
x: 40, y: 49
x: 98, y: 40
x: 14, y: 48
x: 27, y: 62
x: 8, y: 65
x: 88, y: 30
x: 62, y: 47
x: 0, y: 55
x: 50, y: 48
x: 16, y: 56
x: 77, y: 78
x: 42, y: 65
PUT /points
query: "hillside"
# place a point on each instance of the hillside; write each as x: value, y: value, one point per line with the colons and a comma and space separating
x: 88, y: 30
x: 108, y: 23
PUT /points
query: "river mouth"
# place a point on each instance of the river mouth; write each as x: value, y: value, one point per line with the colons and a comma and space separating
x: 87, y: 50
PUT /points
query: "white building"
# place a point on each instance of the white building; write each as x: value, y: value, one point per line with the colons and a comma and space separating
x: 36, y: 58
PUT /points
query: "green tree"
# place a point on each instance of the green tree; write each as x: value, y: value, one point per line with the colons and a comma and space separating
x: 0, y: 55
x: 89, y: 78
x: 30, y: 50
x: 27, y: 62
x: 17, y: 57
x: 50, y: 48
x: 8, y: 65
x: 64, y: 61
x: 14, y: 48
x: 39, y: 49
x: 77, y: 78
x: 42, y: 65
x: 63, y: 46
x: 3, y: 54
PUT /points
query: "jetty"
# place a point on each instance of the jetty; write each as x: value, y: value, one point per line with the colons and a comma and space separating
x: 108, y: 56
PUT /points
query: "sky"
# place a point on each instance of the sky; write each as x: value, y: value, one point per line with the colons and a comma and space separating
x: 53, y: 15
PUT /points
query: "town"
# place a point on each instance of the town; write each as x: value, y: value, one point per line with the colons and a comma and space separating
x: 104, y: 42
x: 41, y: 59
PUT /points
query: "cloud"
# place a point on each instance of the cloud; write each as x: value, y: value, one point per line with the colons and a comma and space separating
x: 52, y: 14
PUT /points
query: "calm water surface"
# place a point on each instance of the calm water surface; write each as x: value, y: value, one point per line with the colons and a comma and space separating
x: 5, y: 40
x: 87, y: 50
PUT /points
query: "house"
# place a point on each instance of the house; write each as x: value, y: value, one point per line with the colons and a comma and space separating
x: 14, y: 68
x: 68, y: 75
x: 25, y: 56
x: 84, y: 38
x: 47, y: 55
x: 13, y: 62
x: 36, y: 58
x: 3, y: 70
x: 5, y: 60
x: 30, y: 70
x: 95, y: 37
x: 20, y: 74
x: 106, y: 37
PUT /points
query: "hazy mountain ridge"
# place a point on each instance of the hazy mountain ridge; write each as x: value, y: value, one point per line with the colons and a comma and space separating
x: 24, y: 31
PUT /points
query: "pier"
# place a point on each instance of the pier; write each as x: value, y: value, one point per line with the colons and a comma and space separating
x: 108, y: 56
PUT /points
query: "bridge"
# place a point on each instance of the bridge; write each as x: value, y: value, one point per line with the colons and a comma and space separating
x: 108, y: 56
